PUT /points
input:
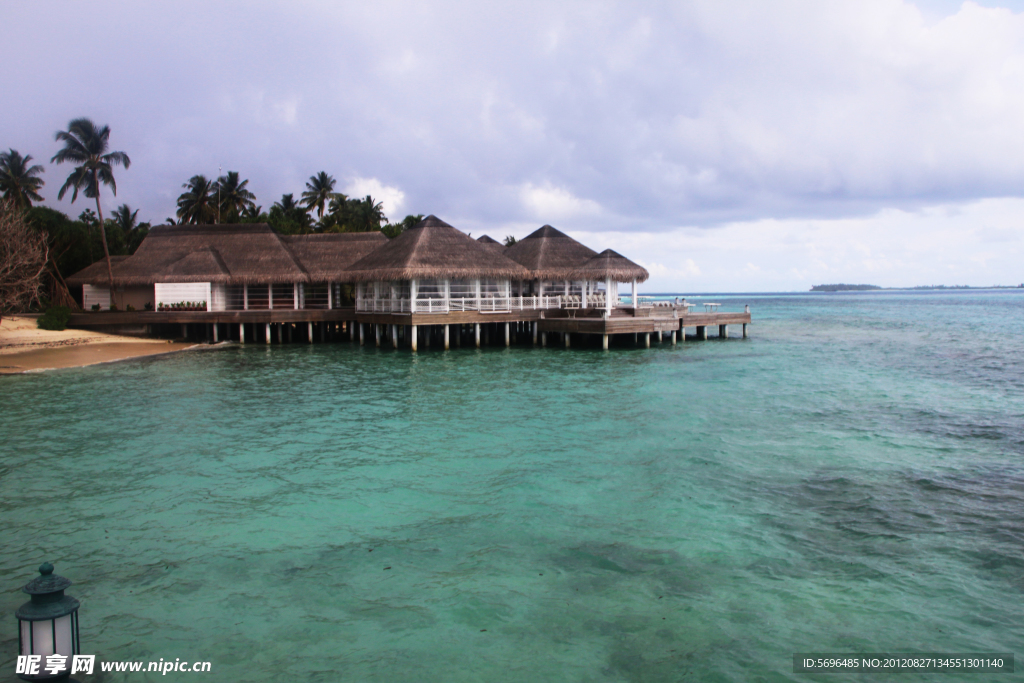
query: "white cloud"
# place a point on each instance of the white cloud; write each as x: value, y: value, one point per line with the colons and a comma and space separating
x: 551, y: 204
x: 392, y: 198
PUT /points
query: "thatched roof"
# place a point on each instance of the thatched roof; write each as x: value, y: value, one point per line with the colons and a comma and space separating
x: 236, y: 254
x: 549, y: 254
x: 491, y: 243
x: 610, y: 264
x: 96, y: 273
x: 327, y: 257
x: 434, y: 249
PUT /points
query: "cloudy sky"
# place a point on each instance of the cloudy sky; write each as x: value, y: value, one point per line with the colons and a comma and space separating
x: 726, y: 146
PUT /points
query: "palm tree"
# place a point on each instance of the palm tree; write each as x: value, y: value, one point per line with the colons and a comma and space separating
x: 125, y: 218
x: 252, y: 213
x: 198, y: 205
x: 319, y: 191
x: 233, y: 196
x: 17, y: 179
x: 287, y: 203
x: 86, y: 145
x: 370, y: 214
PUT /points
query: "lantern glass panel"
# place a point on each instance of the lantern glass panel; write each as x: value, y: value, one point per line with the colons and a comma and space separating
x: 37, y: 636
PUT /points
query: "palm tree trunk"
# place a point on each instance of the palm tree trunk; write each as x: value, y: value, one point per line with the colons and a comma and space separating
x: 103, y: 234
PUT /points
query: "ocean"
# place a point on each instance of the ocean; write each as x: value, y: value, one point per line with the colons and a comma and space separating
x: 848, y: 479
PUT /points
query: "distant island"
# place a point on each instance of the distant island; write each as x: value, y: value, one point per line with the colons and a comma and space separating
x: 866, y: 288
x: 843, y: 288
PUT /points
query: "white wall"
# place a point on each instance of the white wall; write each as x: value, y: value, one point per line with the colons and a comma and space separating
x: 176, y: 292
x: 218, y: 300
x: 95, y: 295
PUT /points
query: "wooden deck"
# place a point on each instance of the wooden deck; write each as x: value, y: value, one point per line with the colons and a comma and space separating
x: 622, y: 321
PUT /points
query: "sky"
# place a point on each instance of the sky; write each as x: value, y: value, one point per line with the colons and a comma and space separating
x: 725, y: 146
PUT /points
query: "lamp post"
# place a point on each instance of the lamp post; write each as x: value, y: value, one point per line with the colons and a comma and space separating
x: 48, y: 623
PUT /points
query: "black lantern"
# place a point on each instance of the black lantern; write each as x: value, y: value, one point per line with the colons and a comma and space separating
x: 48, y: 624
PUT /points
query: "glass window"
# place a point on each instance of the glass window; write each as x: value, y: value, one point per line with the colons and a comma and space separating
x: 430, y: 289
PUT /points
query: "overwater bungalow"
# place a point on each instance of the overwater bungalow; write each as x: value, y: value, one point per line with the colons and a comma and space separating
x: 427, y: 282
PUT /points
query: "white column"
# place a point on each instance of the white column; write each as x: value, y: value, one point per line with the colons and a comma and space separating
x: 270, y: 296
x: 413, y: 338
x: 309, y: 331
x: 245, y: 297
x: 604, y: 342
x: 583, y: 294
x: 330, y: 295
x: 476, y: 329
x: 268, y: 333
x: 413, y: 286
x: 506, y: 335
x: 241, y: 333
x: 476, y: 287
x: 647, y: 340
x: 446, y: 333
x: 634, y: 293
x: 608, y: 284
x: 296, y: 291
x: 215, y: 340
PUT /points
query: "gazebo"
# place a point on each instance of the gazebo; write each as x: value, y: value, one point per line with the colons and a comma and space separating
x: 552, y: 257
x: 611, y: 268
x: 434, y: 268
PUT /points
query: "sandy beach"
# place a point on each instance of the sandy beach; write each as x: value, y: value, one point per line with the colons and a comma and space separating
x: 26, y: 348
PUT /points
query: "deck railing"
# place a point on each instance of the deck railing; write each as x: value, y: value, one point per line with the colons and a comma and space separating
x: 487, y: 304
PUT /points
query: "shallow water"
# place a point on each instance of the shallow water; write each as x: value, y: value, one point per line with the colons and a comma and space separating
x: 848, y: 479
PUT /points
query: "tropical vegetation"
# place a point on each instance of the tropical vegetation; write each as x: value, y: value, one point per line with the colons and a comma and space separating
x: 86, y: 144
x: 18, y: 180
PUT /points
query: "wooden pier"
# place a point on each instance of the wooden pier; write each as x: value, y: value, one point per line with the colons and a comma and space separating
x: 413, y: 330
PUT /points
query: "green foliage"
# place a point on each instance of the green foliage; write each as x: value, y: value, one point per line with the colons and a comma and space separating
x: 86, y: 144
x: 319, y: 191
x: 55, y: 318
x: 510, y: 240
x: 233, y: 195
x: 199, y: 203
x: 289, y: 218
x: 18, y: 180
x: 353, y: 215
x: 392, y: 230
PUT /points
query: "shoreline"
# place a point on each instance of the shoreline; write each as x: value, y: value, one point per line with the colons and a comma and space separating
x: 24, y: 348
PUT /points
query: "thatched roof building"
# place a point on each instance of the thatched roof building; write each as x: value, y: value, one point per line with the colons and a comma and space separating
x: 610, y: 264
x: 491, y: 243
x: 434, y: 250
x: 248, y: 253
x: 327, y: 257
x: 549, y: 254
x: 97, y: 272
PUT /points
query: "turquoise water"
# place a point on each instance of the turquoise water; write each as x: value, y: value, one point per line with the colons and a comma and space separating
x: 848, y: 479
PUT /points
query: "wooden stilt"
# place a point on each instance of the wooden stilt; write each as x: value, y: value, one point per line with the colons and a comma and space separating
x: 268, y: 333
x: 604, y: 342
x: 323, y: 332
x: 723, y: 331
x: 702, y: 332
x: 543, y: 339
x: 215, y: 333
x: 241, y: 333
x: 506, y: 335
x: 184, y: 330
x: 309, y: 331
x: 744, y: 330
x: 376, y: 335
x: 412, y: 338
x: 446, y: 333
x: 567, y: 336
x: 673, y: 337
x: 476, y: 332
x: 647, y: 340
x: 535, y: 326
